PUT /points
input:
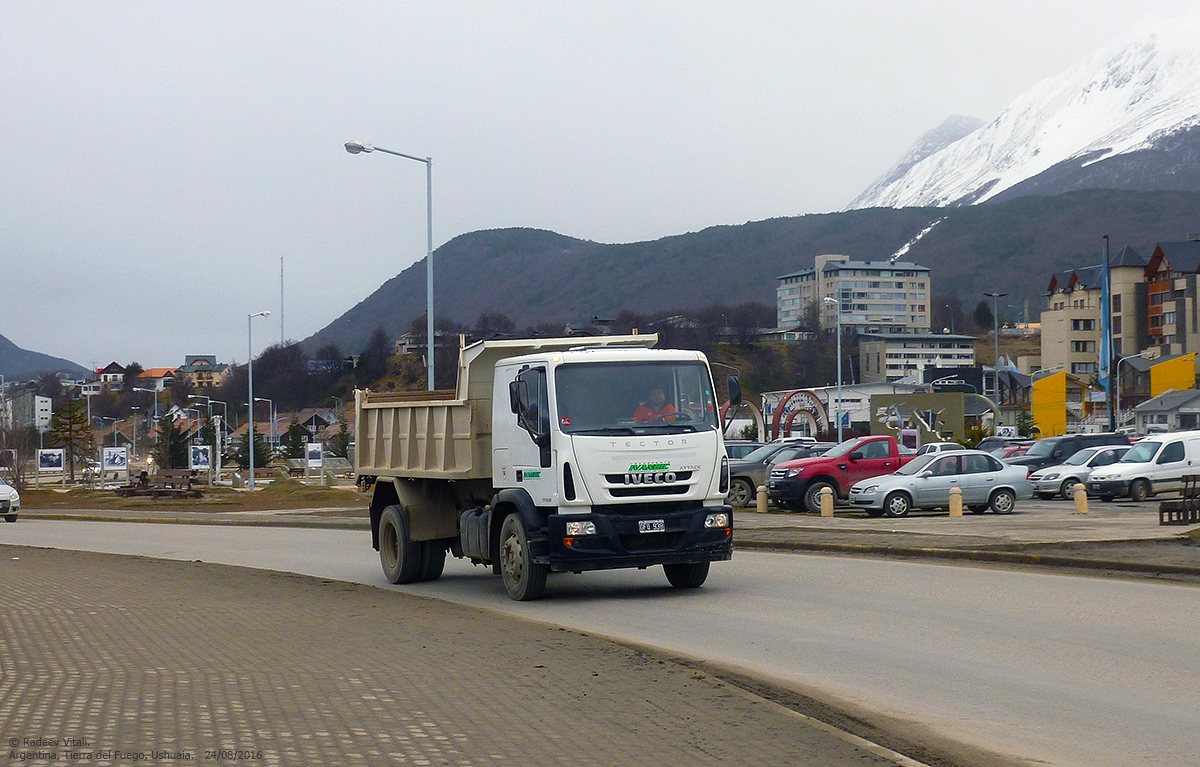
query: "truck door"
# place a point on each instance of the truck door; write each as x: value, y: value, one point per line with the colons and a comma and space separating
x: 873, y: 459
x: 531, y: 451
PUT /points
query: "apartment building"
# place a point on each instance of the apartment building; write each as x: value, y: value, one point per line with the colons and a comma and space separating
x: 890, y: 357
x: 874, y: 296
x: 1171, y: 280
x: 1071, y: 320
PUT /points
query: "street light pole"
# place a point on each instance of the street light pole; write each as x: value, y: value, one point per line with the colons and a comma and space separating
x: 355, y: 147
x: 838, y: 410
x: 996, y: 333
x: 250, y: 380
x: 1117, y: 375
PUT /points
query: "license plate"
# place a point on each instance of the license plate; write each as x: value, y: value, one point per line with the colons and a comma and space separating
x: 651, y: 526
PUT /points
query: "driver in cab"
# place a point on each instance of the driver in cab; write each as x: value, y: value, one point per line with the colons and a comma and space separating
x: 655, y: 408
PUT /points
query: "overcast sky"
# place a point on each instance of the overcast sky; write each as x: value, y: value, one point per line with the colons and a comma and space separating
x: 159, y: 158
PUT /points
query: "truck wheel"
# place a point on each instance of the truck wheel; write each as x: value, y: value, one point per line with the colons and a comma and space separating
x: 741, y: 494
x: 524, y: 579
x: 686, y: 575
x: 400, y: 557
x: 1139, y: 490
x: 897, y: 504
x: 433, y: 560
x: 812, y: 496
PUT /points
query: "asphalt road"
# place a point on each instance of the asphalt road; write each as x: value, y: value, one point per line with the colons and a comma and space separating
x: 1049, y: 668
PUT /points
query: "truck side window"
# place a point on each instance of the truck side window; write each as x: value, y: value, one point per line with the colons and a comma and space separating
x: 876, y: 449
x: 533, y: 413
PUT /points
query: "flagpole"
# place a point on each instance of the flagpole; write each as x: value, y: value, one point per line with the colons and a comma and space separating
x: 1106, y: 341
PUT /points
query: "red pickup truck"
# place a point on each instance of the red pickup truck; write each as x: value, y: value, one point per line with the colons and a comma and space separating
x: 796, y: 485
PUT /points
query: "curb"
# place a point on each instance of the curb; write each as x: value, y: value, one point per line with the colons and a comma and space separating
x: 974, y: 555
x: 333, y: 524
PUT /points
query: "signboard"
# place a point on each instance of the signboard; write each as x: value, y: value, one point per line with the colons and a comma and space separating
x: 200, y: 457
x: 50, y: 460
x: 313, y: 450
x: 1006, y: 431
x: 114, y: 459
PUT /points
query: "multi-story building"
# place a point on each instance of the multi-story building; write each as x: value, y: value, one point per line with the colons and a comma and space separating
x: 890, y: 357
x: 1171, y: 283
x: 203, y: 371
x: 874, y: 296
x: 1071, y: 321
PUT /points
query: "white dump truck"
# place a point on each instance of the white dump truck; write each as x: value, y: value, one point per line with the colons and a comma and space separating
x: 552, y: 454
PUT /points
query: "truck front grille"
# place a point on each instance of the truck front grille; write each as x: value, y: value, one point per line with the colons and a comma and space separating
x: 651, y: 541
x: 634, y: 492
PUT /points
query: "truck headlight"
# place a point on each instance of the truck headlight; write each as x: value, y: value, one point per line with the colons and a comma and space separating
x: 794, y: 473
x: 717, y: 520
x: 581, y: 528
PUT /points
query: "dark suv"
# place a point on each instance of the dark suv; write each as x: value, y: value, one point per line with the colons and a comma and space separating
x: 1052, y: 451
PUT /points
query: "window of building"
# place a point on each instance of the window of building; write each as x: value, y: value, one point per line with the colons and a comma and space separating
x: 1116, y: 302
x: 1116, y: 326
x: 1083, y: 346
x: 1083, y: 368
x: 1083, y: 324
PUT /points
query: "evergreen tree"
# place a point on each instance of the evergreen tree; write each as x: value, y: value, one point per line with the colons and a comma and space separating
x: 69, y: 430
x: 262, y: 451
x: 294, y: 440
x: 171, y: 447
x: 983, y: 315
x: 339, y: 446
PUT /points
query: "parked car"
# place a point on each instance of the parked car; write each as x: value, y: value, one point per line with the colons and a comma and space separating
x: 740, y: 448
x: 1062, y: 479
x: 10, y: 502
x: 746, y: 474
x: 988, y: 444
x: 1010, y: 451
x: 1051, y: 451
x: 797, y: 484
x: 925, y: 483
x: 1154, y: 465
x: 939, y: 447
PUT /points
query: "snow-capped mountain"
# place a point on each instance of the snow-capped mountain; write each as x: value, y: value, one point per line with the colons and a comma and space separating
x: 1127, y: 117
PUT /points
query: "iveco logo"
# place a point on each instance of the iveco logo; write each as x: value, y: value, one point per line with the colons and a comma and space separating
x: 650, y: 478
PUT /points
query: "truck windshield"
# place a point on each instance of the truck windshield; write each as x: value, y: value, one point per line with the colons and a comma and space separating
x: 634, y: 398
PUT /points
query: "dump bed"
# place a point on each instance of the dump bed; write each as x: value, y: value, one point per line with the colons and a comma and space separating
x: 448, y: 434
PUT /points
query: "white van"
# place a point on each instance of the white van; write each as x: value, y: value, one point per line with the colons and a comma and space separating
x: 1156, y: 464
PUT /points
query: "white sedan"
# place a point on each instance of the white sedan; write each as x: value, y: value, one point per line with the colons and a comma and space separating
x: 10, y: 502
x: 1061, y: 479
x: 925, y: 483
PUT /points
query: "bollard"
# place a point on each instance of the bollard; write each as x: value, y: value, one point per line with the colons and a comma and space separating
x: 956, y: 501
x: 1080, y: 493
x: 761, y: 500
x: 826, y: 502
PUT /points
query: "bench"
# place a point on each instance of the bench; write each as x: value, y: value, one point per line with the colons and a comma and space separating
x: 169, y: 483
x: 1186, y: 510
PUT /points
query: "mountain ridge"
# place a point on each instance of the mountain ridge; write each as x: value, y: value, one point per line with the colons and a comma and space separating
x: 1120, y: 118
x: 535, y: 276
x: 22, y: 364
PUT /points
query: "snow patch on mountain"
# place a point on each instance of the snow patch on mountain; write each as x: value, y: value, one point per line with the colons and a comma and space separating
x: 1126, y: 97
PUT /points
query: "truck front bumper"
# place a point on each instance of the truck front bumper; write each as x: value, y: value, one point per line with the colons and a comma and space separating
x: 640, y: 537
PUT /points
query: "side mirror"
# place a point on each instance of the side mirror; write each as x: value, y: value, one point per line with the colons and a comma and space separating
x: 856, y: 455
x: 926, y: 474
x: 735, y: 392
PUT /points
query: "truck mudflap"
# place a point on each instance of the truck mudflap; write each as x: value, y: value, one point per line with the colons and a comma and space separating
x: 638, y: 539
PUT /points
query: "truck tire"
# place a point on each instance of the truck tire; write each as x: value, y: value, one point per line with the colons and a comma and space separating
x: 400, y: 557
x: 812, y: 496
x: 741, y: 494
x: 686, y: 575
x: 433, y: 560
x: 523, y: 578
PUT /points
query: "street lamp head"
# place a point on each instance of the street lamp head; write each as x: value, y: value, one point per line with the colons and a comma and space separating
x: 260, y: 314
x: 354, y: 147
